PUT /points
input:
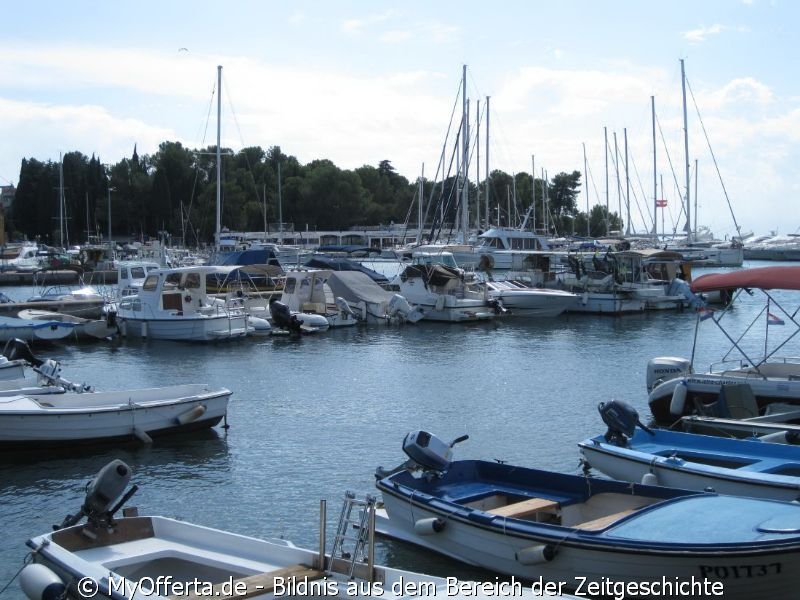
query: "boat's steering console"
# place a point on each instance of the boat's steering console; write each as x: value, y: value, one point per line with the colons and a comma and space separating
x: 621, y: 419
x: 426, y: 453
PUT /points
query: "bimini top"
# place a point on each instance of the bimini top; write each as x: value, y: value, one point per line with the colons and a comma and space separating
x: 764, y: 278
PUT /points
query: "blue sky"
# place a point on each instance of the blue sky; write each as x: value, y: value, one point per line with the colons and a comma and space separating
x: 360, y: 82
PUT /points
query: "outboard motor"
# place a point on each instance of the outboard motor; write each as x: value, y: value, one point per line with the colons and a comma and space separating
x: 621, y: 419
x: 16, y: 349
x: 426, y: 453
x: 663, y: 368
x: 283, y: 317
x: 398, y: 305
x: 101, y: 492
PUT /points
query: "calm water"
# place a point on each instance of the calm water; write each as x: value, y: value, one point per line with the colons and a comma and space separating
x: 312, y: 418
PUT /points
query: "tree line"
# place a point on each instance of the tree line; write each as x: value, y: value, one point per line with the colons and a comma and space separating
x: 173, y: 193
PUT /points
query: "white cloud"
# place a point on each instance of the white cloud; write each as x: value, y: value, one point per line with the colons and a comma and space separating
x: 701, y: 34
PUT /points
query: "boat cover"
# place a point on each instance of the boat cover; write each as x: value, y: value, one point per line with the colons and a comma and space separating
x: 763, y: 278
x: 355, y: 286
x: 344, y: 264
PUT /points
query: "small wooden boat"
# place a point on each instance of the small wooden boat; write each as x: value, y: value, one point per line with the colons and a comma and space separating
x: 137, y: 557
x: 745, y: 467
x: 641, y: 539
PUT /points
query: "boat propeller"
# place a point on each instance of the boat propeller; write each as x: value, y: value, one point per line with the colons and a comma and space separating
x: 622, y: 420
x: 426, y: 453
x: 101, y: 492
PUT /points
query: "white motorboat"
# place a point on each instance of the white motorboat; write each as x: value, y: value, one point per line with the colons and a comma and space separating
x: 501, y: 248
x: 131, y: 275
x: 33, y: 421
x: 676, y: 388
x: 522, y: 300
x: 174, y: 304
x: 137, y: 557
x: 34, y: 330
x: 442, y: 294
x: 23, y: 373
x: 99, y: 329
x: 643, y: 540
x: 307, y: 295
x: 373, y: 303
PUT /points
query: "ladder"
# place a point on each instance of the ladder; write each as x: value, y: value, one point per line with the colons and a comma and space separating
x: 353, y: 533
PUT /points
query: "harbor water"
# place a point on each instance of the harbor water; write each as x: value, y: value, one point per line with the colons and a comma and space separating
x: 312, y: 418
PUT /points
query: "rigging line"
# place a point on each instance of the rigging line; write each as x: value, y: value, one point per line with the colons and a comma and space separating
x: 713, y: 158
x: 636, y: 197
x: 250, y: 169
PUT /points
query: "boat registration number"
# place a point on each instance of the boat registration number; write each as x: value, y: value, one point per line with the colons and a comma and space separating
x: 740, y: 571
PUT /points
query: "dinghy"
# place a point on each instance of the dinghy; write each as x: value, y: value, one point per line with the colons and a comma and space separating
x: 136, y: 557
x: 623, y: 539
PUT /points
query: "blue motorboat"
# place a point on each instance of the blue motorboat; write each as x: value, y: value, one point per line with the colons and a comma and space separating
x: 747, y: 467
x: 587, y: 533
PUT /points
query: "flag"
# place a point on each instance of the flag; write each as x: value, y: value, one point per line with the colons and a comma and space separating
x: 705, y: 313
x: 774, y: 319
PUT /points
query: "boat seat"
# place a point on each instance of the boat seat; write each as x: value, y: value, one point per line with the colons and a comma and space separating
x: 740, y: 400
x: 603, y: 522
x: 525, y: 508
x: 255, y: 585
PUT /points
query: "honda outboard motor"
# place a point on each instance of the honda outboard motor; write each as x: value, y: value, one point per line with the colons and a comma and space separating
x: 101, y: 493
x: 426, y: 453
x: 663, y: 368
x: 621, y: 419
x: 283, y: 317
x: 16, y: 349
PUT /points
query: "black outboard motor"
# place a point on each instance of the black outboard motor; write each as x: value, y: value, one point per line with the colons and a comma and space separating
x: 622, y: 420
x: 283, y: 317
x: 16, y: 349
x: 101, y: 492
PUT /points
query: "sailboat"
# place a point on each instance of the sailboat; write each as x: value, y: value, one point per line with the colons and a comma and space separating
x: 702, y: 252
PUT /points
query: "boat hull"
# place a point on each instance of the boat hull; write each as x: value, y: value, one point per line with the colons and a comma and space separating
x: 190, y: 329
x: 93, y: 417
x: 645, y: 550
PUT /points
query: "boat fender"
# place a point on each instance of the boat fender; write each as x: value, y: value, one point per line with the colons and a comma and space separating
x: 40, y: 583
x: 534, y: 555
x: 192, y: 414
x: 678, y: 402
x: 429, y: 526
x: 779, y: 437
x: 585, y: 298
x: 650, y: 478
x: 439, y: 306
x: 142, y: 435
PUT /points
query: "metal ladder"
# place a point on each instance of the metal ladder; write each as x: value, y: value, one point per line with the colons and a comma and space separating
x: 349, y: 545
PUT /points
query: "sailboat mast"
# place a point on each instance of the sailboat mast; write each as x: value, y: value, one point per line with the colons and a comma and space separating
x: 219, y: 153
x: 686, y: 153
x: 655, y: 176
x: 280, y: 207
x: 586, y: 187
x: 465, y: 158
x: 61, y: 198
x: 487, y: 163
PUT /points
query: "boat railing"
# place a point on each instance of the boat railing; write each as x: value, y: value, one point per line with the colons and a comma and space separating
x: 787, y: 367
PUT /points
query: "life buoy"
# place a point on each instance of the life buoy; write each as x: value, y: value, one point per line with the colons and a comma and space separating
x: 187, y: 298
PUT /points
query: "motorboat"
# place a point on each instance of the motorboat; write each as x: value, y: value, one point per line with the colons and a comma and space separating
x: 174, y: 304
x: 307, y: 295
x: 98, y: 329
x: 131, y: 275
x: 137, y: 557
x: 501, y: 248
x: 441, y: 293
x: 34, y: 421
x: 522, y: 300
x: 643, y: 540
x: 23, y: 373
x: 676, y: 388
x: 34, y: 330
x: 631, y: 451
x: 372, y: 303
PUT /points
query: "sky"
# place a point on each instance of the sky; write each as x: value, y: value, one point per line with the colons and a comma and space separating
x: 359, y: 82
